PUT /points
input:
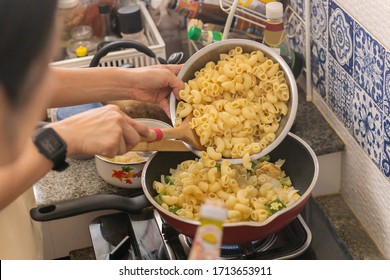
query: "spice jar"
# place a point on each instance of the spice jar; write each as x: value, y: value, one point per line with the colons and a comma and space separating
x: 205, y: 37
x: 72, y: 13
x: 83, y: 43
x: 131, y: 26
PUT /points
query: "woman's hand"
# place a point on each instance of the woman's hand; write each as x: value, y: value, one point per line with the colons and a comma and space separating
x: 105, y: 131
x: 154, y: 84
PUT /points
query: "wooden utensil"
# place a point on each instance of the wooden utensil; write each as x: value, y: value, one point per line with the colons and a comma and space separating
x: 162, y: 146
x: 182, y: 132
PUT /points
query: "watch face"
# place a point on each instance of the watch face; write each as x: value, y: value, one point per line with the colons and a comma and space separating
x: 51, y: 144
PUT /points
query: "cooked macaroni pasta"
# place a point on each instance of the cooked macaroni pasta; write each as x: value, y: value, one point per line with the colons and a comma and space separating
x: 129, y: 157
x: 251, y: 192
x: 242, y: 96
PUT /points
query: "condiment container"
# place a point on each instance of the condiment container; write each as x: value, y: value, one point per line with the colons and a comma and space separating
x: 82, y: 42
x: 275, y: 37
x: 130, y: 22
x: 205, y: 37
x: 208, y: 237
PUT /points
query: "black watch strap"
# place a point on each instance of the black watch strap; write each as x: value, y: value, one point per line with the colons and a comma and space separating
x: 52, y: 146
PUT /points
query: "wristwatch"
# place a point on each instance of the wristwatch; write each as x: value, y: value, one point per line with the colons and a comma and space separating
x: 51, y: 145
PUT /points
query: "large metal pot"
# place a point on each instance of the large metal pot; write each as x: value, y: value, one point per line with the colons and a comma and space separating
x: 301, y: 165
x: 211, y: 53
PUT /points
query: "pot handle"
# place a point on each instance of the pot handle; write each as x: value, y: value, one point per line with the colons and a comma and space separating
x: 88, y: 204
x: 118, y: 45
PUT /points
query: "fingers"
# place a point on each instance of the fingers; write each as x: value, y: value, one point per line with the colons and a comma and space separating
x: 174, y: 68
x: 140, y: 128
x: 105, y: 131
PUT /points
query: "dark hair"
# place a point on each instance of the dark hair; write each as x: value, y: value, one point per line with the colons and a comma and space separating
x: 25, y: 28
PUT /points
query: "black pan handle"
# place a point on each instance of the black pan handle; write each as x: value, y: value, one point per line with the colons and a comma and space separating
x: 88, y: 204
x: 118, y: 45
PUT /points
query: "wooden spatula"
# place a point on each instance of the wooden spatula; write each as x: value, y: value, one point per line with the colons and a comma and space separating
x: 182, y: 132
x: 162, y: 146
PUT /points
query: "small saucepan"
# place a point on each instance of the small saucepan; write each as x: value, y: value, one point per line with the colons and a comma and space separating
x: 301, y: 165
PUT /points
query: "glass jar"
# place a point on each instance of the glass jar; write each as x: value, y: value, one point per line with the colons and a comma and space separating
x: 83, y: 43
x: 72, y: 14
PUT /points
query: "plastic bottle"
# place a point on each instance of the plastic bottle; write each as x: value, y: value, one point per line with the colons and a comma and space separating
x: 204, y: 37
x: 208, y: 11
x: 130, y: 22
x: 208, y: 237
x: 275, y: 37
x: 106, y: 33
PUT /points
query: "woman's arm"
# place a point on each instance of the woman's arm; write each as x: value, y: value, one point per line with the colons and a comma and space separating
x: 86, y: 85
x: 21, y: 174
x: 105, y: 131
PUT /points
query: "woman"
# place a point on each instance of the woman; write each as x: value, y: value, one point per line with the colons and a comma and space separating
x: 29, y: 39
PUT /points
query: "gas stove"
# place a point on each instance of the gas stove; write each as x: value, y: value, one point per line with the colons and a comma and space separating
x: 147, y: 237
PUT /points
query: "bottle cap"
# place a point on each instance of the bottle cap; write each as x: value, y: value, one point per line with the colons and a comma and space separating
x: 130, y: 20
x: 104, y: 8
x: 274, y: 10
x: 67, y: 4
x: 212, y: 210
x: 81, y: 51
x: 194, y: 33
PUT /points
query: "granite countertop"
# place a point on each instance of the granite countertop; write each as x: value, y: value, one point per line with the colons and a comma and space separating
x: 81, y: 178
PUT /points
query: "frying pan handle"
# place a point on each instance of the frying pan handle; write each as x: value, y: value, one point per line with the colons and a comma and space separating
x: 117, y: 45
x: 88, y: 204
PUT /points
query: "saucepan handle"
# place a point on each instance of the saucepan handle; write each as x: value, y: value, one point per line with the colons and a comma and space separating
x: 88, y: 204
x: 118, y: 45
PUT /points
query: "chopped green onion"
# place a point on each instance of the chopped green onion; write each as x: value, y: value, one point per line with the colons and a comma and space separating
x: 173, y: 209
x: 265, y: 158
x: 286, y: 181
x: 158, y: 199
x: 167, y: 180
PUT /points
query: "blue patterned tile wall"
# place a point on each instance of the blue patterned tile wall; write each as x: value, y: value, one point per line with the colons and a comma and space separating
x: 351, y: 72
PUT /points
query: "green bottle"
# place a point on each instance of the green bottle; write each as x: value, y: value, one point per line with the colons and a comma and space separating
x: 204, y: 37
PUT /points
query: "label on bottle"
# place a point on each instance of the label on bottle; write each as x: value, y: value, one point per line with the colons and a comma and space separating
x: 207, y: 242
x: 213, y: 36
x: 274, y: 34
x: 187, y: 8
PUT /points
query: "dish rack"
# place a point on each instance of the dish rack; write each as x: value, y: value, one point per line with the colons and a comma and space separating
x: 234, y: 10
x: 132, y: 56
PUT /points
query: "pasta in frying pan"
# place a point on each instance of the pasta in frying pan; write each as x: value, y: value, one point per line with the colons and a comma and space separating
x: 252, y: 194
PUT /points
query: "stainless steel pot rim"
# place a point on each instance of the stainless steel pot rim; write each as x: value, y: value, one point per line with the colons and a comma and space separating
x: 304, y: 196
x: 146, y: 155
x: 102, y: 158
x: 272, y: 55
